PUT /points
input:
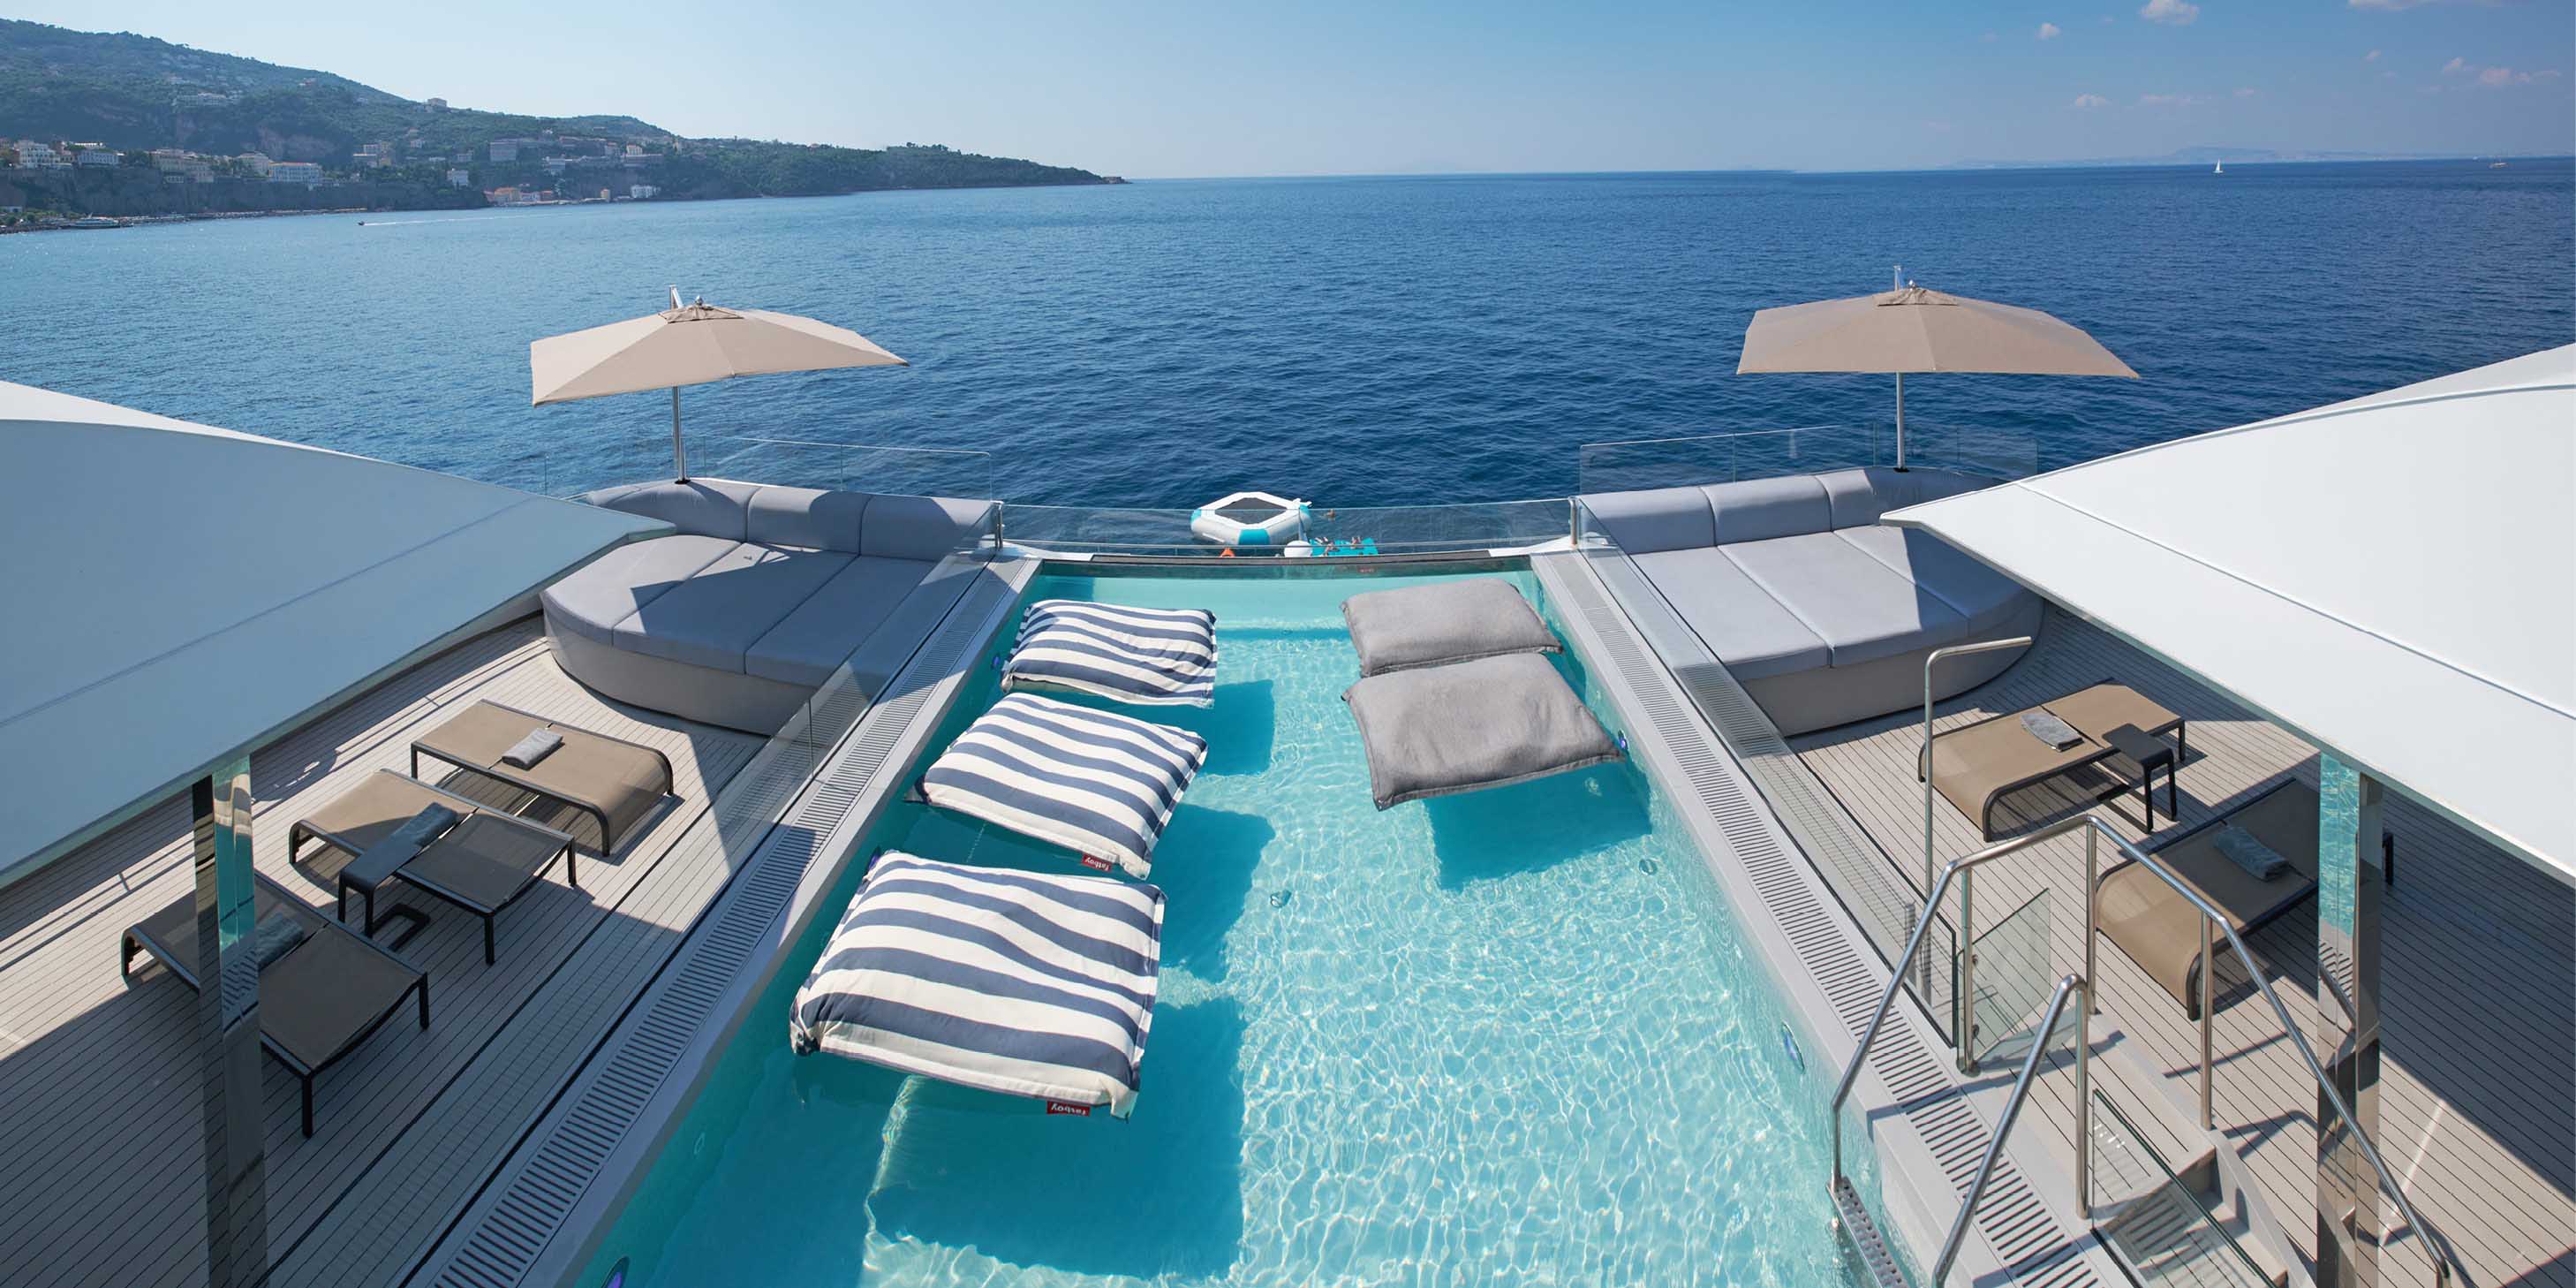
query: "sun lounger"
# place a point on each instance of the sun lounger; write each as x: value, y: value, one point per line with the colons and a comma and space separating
x: 1977, y: 765
x: 482, y: 864
x: 1098, y: 783
x: 617, y: 783
x: 317, y: 1002
x: 2162, y: 932
x: 1024, y: 983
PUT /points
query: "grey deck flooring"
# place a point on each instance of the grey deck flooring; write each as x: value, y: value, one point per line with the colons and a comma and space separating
x: 98, y: 1084
x: 2477, y: 1109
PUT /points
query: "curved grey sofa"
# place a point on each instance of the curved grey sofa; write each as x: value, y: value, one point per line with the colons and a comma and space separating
x: 1823, y: 615
x: 760, y: 596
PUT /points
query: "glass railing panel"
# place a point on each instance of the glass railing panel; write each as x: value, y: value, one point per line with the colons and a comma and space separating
x: 1806, y: 449
x: 1877, y: 890
x: 2011, y: 982
x: 1384, y: 530
x: 1691, y: 460
x: 844, y: 467
x: 2161, y: 1222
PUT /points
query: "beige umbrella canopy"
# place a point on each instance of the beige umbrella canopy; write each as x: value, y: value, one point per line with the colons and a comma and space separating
x: 1916, y: 329
x: 689, y: 345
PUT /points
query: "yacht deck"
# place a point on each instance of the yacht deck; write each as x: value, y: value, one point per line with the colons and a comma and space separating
x: 98, y: 1077
x: 2476, y: 1111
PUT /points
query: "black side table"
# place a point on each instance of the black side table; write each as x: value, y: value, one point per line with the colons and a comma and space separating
x: 2151, y: 753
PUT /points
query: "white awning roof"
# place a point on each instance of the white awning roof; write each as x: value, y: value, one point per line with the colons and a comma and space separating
x: 176, y: 593
x: 2393, y: 578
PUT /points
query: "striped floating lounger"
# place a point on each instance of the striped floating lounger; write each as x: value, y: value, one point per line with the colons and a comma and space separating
x: 1024, y: 983
x: 1149, y: 656
x: 1095, y: 782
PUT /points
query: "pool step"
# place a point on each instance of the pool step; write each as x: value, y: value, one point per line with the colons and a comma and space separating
x: 2186, y: 1227
x: 1861, y: 1234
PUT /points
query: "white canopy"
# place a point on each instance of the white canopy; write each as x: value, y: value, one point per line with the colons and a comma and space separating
x: 177, y: 593
x: 2393, y: 578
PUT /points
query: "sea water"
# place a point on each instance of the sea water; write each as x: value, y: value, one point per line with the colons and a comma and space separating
x: 1353, y: 341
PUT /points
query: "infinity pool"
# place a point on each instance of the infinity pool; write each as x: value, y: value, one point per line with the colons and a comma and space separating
x: 1508, y: 1037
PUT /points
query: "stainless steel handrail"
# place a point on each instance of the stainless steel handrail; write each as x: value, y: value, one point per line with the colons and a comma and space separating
x: 2096, y: 829
x: 2012, y: 1111
x: 1963, y: 1011
x: 1896, y: 982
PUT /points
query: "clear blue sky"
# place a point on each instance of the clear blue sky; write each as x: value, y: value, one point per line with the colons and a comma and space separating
x: 1506, y: 85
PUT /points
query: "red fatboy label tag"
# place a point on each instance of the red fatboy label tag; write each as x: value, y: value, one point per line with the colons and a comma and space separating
x: 1060, y: 1107
x: 1096, y: 865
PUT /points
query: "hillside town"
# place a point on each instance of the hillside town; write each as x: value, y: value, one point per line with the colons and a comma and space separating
x: 543, y: 169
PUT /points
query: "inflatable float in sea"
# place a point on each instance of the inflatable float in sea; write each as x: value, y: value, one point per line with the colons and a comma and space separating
x: 1248, y: 519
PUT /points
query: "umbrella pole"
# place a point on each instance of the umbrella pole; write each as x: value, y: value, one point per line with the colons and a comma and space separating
x: 1900, y: 419
x: 680, y: 456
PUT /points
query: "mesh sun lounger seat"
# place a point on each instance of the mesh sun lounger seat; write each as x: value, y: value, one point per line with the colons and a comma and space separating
x: 1443, y: 622
x: 317, y: 1002
x: 2162, y: 932
x: 1098, y: 783
x: 482, y: 864
x: 1438, y: 730
x: 1024, y: 983
x: 617, y: 783
x: 1149, y: 656
x: 1976, y: 766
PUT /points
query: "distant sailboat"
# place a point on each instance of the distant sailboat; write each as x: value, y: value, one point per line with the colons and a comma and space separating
x: 2220, y: 168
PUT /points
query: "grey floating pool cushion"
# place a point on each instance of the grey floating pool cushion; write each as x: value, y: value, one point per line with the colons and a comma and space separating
x: 1443, y: 622
x: 1023, y: 983
x: 1435, y: 731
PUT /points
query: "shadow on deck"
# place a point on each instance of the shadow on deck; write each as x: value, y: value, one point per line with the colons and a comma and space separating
x: 2477, y: 1106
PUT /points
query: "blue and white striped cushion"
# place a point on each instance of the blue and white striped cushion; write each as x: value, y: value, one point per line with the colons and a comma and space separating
x: 1023, y: 983
x: 1095, y: 782
x: 1152, y: 656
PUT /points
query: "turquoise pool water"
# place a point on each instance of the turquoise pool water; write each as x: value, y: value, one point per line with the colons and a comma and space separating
x: 1509, y: 1037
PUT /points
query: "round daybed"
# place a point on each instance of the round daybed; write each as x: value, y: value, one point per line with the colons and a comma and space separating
x: 1250, y: 519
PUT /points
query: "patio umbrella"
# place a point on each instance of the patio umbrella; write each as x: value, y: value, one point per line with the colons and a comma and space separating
x: 688, y: 345
x: 1913, y: 328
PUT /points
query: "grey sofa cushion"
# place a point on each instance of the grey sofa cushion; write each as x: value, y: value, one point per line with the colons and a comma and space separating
x: 1760, y: 509
x: 1438, y: 622
x: 702, y: 507
x: 1954, y: 577
x: 808, y: 644
x: 1438, y: 730
x: 1860, y: 608
x: 1671, y: 518
x: 1748, y: 630
x: 608, y: 590
x: 713, y: 618
x: 1859, y: 497
x: 802, y: 516
x: 922, y: 527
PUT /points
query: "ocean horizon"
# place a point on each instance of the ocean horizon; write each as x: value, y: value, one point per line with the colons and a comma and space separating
x: 1355, y: 340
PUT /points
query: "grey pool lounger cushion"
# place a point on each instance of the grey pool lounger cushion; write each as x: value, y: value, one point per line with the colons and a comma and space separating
x: 1436, y: 730
x: 1095, y: 782
x: 1450, y: 621
x: 1149, y: 656
x: 1023, y: 983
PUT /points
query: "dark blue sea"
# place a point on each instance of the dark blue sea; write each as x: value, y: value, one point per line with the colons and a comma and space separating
x: 1357, y: 341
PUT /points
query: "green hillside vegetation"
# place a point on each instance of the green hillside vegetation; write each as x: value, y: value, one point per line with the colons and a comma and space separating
x: 135, y: 93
